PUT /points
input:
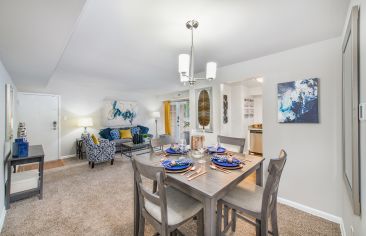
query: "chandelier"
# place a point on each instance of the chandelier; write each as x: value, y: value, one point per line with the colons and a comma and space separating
x: 186, y: 62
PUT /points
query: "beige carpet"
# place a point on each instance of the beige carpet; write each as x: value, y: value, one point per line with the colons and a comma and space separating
x: 83, y: 201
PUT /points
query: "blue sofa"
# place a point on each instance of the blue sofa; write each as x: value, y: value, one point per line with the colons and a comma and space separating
x: 139, y: 129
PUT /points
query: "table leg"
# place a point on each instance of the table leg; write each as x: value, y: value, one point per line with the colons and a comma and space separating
x: 8, y: 181
x: 41, y: 179
x: 259, y: 175
x: 136, y: 209
x: 210, y: 216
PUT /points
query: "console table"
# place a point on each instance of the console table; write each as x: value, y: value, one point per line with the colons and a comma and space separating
x: 35, y: 155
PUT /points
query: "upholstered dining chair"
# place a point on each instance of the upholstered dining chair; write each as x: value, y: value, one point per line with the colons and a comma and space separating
x: 254, y: 201
x: 168, y: 208
x: 240, y: 142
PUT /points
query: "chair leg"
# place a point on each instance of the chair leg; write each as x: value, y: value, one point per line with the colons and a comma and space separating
x: 274, y: 221
x: 112, y: 161
x: 200, y: 226
x: 264, y: 227
x: 226, y: 216
x: 233, y: 220
x: 92, y: 165
x: 258, y: 227
x: 89, y: 163
x: 141, y: 225
x: 219, y: 218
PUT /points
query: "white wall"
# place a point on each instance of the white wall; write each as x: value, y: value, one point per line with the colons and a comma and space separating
x: 350, y: 220
x: 313, y: 172
x: 4, y: 146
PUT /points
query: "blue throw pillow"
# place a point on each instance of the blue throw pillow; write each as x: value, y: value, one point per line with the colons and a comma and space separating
x: 106, y: 133
x: 115, y: 134
x: 135, y: 130
x: 143, y: 129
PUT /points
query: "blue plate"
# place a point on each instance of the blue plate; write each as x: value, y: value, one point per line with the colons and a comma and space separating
x: 180, y: 164
x: 172, y: 151
x: 216, y: 150
x: 222, y: 161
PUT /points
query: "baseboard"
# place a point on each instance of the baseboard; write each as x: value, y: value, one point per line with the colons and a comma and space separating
x: 315, y: 212
x: 67, y: 156
x: 2, y: 218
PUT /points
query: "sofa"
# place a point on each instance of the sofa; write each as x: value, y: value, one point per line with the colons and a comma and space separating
x: 106, y: 134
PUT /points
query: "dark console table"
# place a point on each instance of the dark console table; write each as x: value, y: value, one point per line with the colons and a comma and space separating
x: 35, y: 155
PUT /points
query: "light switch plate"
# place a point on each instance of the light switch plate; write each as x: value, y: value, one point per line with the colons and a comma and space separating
x: 362, y: 111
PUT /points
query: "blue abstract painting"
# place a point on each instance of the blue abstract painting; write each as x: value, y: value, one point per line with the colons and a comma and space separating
x: 298, y: 101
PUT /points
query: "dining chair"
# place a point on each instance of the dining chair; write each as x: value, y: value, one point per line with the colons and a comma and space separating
x: 156, y: 145
x: 166, y: 139
x: 168, y: 208
x: 254, y: 201
x: 240, y: 142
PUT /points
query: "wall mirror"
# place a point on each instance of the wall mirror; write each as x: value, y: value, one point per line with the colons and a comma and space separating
x: 350, y: 102
x: 204, y: 109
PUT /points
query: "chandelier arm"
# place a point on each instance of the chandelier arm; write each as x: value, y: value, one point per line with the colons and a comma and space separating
x: 191, y: 66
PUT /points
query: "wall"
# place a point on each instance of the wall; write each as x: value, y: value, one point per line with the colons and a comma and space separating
x: 314, y: 163
x: 358, y: 223
x: 4, y: 146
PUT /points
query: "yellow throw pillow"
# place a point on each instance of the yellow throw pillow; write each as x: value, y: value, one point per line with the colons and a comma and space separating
x: 125, y: 133
x: 95, y: 139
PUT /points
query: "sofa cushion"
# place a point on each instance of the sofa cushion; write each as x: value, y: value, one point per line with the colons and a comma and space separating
x: 95, y: 139
x: 143, y: 129
x: 105, y: 133
x: 115, y: 134
x: 125, y: 133
x: 135, y: 130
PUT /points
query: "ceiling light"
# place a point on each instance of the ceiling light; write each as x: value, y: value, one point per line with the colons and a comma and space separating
x: 186, y: 62
x: 260, y: 80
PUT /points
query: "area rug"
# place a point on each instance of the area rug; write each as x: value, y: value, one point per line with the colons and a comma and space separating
x: 79, y: 200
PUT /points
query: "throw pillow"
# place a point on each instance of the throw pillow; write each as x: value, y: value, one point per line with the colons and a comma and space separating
x: 126, y: 133
x: 115, y: 134
x: 95, y: 139
x: 135, y: 130
x: 106, y: 133
x: 143, y: 129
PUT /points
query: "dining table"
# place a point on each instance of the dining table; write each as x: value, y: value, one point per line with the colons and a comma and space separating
x: 207, y: 188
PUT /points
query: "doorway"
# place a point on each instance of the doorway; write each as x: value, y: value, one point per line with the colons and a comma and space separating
x: 40, y: 112
x: 179, y: 115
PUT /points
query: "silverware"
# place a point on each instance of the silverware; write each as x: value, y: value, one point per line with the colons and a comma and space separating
x: 219, y: 169
x: 199, y: 174
x: 192, y: 169
x: 194, y: 172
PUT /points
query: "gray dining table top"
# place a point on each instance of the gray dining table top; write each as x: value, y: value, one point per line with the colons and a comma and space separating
x: 213, y: 182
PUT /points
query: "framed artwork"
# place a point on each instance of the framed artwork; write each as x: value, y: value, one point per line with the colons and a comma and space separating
x: 119, y: 113
x: 204, y: 109
x: 225, y: 109
x: 298, y: 101
x: 9, y: 112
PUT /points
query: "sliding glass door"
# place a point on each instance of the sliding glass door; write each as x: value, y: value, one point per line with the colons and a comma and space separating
x: 179, y: 115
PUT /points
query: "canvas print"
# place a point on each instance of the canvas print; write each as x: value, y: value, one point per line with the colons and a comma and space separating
x: 298, y: 101
x: 118, y: 113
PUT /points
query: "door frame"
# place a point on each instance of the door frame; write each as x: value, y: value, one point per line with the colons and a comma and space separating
x: 58, y: 117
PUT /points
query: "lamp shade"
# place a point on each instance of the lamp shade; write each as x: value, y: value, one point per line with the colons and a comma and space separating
x: 86, y: 122
x: 155, y: 114
x: 184, y: 64
x: 211, y: 70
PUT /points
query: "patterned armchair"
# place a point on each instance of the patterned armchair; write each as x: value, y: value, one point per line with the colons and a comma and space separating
x: 104, y: 151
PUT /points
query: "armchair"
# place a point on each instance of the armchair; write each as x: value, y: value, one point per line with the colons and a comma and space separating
x: 104, y: 151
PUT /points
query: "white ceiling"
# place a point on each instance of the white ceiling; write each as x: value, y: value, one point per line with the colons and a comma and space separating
x: 133, y: 45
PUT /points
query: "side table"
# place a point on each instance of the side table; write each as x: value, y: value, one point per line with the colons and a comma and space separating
x: 80, y: 150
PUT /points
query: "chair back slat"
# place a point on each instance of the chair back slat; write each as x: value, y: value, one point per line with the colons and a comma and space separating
x: 275, y: 169
x: 149, y: 195
x: 166, y: 139
x: 232, y: 141
x: 148, y: 171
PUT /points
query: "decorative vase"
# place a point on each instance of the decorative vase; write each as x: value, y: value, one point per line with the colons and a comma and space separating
x: 22, y: 131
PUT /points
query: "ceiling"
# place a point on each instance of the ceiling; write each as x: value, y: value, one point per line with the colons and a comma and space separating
x: 134, y: 45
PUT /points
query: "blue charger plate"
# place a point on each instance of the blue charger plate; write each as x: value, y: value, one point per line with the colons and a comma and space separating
x: 216, y: 150
x: 181, y: 164
x: 222, y: 161
x: 172, y: 151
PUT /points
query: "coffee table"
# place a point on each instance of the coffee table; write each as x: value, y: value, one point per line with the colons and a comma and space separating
x: 130, y: 147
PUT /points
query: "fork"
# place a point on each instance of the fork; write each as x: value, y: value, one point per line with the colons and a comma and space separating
x: 194, y: 172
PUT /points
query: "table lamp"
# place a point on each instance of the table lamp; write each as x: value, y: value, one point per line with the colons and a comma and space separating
x: 156, y: 115
x: 85, y: 122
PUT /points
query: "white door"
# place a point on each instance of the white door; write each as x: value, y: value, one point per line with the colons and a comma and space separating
x: 40, y: 112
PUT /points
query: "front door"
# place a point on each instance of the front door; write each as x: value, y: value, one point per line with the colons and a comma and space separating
x: 40, y: 112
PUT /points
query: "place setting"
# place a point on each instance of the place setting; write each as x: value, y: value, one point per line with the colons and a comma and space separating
x: 225, y: 162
